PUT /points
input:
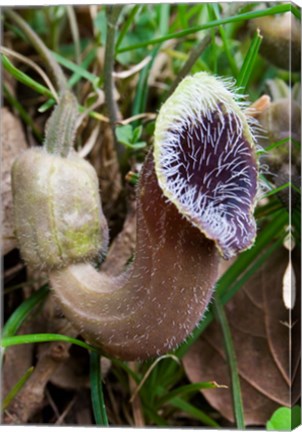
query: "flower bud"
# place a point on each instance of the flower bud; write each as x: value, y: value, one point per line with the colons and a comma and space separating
x: 57, y: 209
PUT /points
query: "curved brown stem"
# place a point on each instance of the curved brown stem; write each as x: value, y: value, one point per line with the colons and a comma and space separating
x: 153, y: 306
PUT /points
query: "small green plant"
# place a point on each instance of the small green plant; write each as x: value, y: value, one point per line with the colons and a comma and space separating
x: 129, y: 136
x: 284, y: 419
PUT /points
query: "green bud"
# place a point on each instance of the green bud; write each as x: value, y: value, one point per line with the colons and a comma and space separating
x: 57, y: 209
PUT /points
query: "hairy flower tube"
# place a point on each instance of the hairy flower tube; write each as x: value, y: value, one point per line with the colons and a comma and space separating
x: 58, y: 215
x: 195, y: 197
x: 205, y: 161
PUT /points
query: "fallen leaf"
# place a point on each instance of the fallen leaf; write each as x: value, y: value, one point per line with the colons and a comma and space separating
x: 260, y: 325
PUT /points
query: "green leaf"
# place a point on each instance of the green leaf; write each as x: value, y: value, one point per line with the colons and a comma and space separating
x: 124, y: 134
x: 285, y: 419
x: 193, y: 412
x: 236, y: 18
x: 128, y: 136
x: 21, y: 313
x: 137, y: 133
x: 142, y: 88
x: 135, y: 9
x: 73, y: 79
x: 187, y: 390
x: 23, y: 78
x: 249, y: 61
x: 16, y: 388
x: 100, y: 23
x: 138, y: 145
x: 154, y: 417
x: 232, y: 363
x: 97, y: 397
x: 43, y: 337
x: 79, y: 70
x: 273, y: 146
x: 143, y: 26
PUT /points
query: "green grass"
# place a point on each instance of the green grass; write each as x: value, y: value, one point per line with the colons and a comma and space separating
x: 144, y: 30
x: 16, y: 388
x: 237, y: 18
x: 232, y: 362
x: 97, y: 396
x: 43, y: 337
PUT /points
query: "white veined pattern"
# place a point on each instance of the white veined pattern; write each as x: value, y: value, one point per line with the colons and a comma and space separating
x: 205, y: 161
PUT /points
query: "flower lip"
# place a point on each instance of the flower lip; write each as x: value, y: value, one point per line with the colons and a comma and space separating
x: 205, y: 161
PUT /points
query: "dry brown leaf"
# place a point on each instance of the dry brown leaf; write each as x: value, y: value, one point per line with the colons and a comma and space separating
x: 104, y: 159
x: 259, y: 323
x: 13, y: 143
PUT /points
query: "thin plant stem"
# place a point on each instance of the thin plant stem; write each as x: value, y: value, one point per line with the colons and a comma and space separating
x: 194, y: 56
x: 112, y: 13
x: 74, y: 32
x: 232, y: 362
x: 39, y: 46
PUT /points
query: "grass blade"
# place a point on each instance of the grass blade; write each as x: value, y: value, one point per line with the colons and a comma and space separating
x: 97, y: 397
x: 273, y: 146
x: 43, y: 337
x: 73, y: 80
x: 126, y: 25
x: 23, y: 78
x: 225, y: 41
x: 249, y: 61
x: 154, y: 417
x: 237, y: 18
x: 193, y: 412
x: 16, y: 388
x: 79, y: 70
x: 296, y: 12
x: 21, y: 313
x: 281, y: 188
x: 142, y: 88
x: 232, y: 363
x: 187, y: 390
